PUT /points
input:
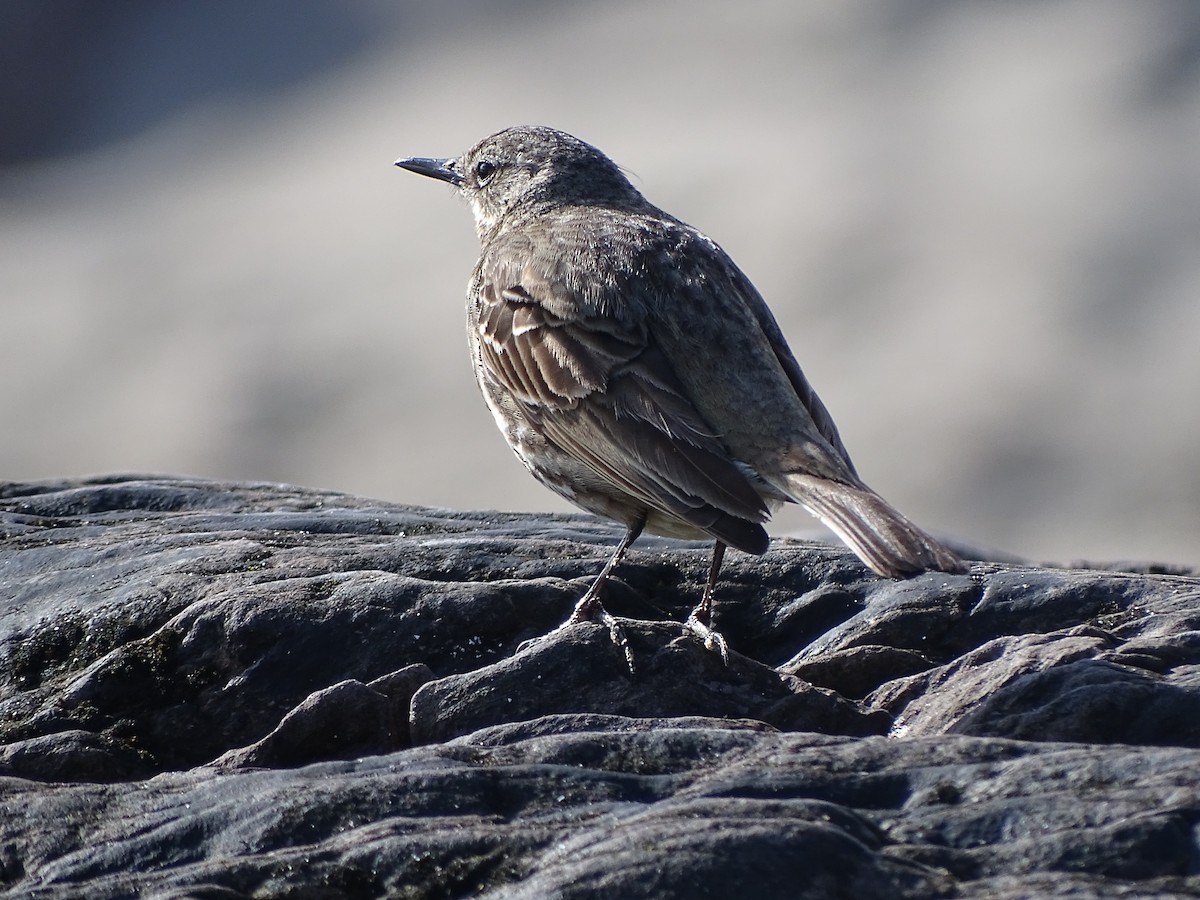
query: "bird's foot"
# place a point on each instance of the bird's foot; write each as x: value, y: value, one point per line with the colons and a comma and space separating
x: 699, y: 624
x: 590, y: 609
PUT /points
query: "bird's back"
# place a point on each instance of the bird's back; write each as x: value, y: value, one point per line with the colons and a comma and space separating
x: 643, y: 269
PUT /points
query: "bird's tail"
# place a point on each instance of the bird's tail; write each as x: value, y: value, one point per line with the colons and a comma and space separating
x: 879, y: 534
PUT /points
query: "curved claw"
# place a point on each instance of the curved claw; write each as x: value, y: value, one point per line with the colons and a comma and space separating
x: 617, y: 634
x: 712, y: 640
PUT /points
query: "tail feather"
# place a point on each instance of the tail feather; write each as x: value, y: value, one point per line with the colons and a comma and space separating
x: 881, y: 536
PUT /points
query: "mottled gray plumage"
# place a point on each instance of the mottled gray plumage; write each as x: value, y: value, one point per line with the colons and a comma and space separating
x: 636, y: 371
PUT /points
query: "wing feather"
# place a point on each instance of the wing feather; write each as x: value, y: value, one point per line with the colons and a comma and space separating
x: 603, y: 395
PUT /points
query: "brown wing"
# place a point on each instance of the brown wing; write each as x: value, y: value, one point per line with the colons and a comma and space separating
x: 595, y: 388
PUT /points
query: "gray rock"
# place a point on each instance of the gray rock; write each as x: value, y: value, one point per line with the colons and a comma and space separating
x: 228, y: 690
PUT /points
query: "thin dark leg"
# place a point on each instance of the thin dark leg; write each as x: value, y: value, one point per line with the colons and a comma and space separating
x: 714, y: 572
x: 591, y: 609
x: 589, y: 605
x: 699, y: 622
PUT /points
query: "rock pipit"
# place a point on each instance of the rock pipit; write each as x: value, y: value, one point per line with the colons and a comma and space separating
x: 636, y: 371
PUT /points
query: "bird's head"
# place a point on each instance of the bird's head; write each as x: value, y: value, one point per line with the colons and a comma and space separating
x: 529, y: 168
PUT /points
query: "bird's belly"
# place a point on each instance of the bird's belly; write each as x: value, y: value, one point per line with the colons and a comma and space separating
x: 571, y: 479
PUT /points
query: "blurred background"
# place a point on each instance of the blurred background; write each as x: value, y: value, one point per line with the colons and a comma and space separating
x: 978, y: 224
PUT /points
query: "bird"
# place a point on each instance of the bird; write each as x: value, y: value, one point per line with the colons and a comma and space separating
x: 636, y: 371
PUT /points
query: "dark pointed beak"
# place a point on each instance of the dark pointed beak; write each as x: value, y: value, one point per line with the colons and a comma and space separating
x: 441, y: 169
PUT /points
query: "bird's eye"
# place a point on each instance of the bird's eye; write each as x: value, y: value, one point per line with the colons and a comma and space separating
x: 484, y: 169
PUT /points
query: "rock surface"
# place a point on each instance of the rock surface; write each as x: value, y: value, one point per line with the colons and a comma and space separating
x: 228, y: 690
